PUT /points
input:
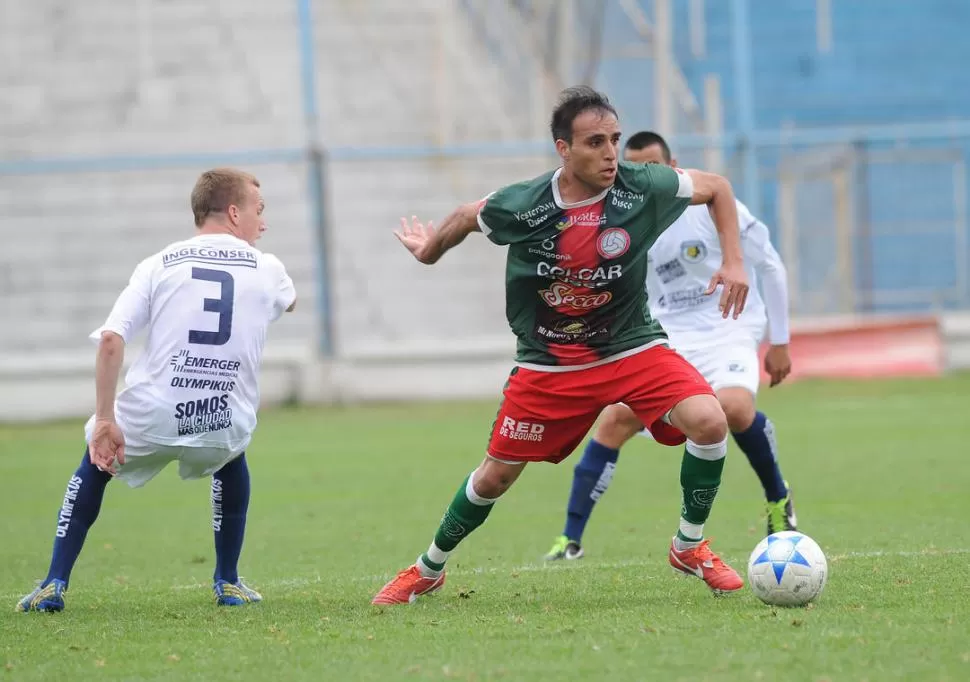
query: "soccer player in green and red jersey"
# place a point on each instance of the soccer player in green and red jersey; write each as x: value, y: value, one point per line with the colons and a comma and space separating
x: 577, y: 241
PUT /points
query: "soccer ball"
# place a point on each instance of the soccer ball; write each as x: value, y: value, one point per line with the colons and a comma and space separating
x: 787, y: 569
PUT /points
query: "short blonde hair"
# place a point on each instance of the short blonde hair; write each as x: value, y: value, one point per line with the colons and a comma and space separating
x: 218, y: 189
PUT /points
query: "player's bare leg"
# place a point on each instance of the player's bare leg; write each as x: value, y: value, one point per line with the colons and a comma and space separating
x: 703, y: 421
x: 468, y: 510
x: 755, y: 435
x: 738, y: 406
x: 617, y: 425
x: 592, y: 476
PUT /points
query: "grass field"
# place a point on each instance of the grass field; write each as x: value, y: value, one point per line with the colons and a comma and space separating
x: 343, y: 498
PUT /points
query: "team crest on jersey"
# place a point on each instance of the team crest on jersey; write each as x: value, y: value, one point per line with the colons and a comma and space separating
x: 613, y: 242
x: 693, y: 251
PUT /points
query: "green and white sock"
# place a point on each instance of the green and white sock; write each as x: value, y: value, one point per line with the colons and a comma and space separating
x: 465, y: 513
x: 700, y: 478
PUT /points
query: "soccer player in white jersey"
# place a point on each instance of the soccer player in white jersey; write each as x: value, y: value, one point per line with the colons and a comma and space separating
x: 192, y: 395
x: 725, y: 351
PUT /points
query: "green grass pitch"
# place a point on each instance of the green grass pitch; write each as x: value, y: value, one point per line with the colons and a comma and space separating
x: 343, y: 498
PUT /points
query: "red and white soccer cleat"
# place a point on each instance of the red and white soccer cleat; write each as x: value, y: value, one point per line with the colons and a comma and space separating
x: 407, y: 586
x: 700, y: 561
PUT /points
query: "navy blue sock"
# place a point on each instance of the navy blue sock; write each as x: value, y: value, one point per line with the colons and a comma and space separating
x: 758, y: 444
x: 82, y: 502
x: 591, y: 478
x: 230, y: 502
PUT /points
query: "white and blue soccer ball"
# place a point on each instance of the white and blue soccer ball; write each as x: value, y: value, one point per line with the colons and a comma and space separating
x: 787, y: 569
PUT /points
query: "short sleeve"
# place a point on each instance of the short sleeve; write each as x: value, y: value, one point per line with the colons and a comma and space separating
x: 132, y: 309
x: 660, y: 181
x: 281, y: 289
x: 494, y: 217
x: 669, y: 189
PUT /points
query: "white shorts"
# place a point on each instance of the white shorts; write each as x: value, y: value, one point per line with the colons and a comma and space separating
x: 144, y: 461
x: 728, y: 366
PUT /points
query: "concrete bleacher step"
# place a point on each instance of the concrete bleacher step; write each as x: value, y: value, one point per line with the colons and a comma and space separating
x: 220, y: 75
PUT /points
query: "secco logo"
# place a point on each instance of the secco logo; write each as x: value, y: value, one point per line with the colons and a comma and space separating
x: 560, y: 294
x: 514, y: 430
x: 613, y: 243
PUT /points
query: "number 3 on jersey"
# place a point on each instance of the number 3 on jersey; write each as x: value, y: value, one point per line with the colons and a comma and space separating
x: 222, y: 305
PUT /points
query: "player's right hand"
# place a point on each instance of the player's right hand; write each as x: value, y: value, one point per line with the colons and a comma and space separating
x: 734, y: 281
x: 417, y: 238
x: 107, y: 446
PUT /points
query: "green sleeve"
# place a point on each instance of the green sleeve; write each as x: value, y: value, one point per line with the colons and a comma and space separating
x: 669, y: 190
x: 675, y: 188
x: 514, y: 213
x: 496, y: 216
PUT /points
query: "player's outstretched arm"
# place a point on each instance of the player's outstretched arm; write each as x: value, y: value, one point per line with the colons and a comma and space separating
x: 107, y: 441
x: 427, y: 244
x: 715, y: 191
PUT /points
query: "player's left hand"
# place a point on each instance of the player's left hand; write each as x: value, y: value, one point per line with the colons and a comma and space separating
x: 417, y: 238
x: 734, y: 281
x: 778, y: 363
x: 107, y: 446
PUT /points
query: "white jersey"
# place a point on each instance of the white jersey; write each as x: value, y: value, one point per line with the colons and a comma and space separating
x: 207, y: 303
x: 682, y: 262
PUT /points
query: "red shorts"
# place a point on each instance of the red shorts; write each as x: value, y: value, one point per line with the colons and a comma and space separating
x: 544, y: 416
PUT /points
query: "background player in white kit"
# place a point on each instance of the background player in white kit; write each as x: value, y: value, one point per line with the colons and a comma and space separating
x: 725, y: 351
x: 192, y: 395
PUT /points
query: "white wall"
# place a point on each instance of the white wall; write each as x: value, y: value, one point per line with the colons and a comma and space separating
x: 208, y: 77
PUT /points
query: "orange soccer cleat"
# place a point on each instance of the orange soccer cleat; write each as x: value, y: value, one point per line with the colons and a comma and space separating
x: 700, y: 561
x: 407, y: 586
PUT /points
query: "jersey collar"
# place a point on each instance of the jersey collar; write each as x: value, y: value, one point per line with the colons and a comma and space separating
x: 578, y: 204
x: 225, y: 236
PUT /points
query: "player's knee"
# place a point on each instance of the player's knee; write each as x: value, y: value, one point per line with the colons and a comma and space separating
x: 493, y: 478
x: 618, y: 424
x: 738, y: 409
x: 706, y: 423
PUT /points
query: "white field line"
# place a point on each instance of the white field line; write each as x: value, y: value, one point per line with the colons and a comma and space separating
x: 379, y: 580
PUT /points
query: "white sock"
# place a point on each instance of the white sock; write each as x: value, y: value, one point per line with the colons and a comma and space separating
x: 710, y: 452
x: 473, y: 496
x: 435, y: 554
x: 694, y: 531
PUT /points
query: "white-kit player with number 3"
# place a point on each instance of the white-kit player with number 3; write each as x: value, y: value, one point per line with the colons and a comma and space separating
x: 191, y: 396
